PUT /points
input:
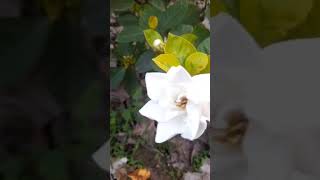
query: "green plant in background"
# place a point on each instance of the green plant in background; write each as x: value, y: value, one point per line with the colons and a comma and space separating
x: 198, y: 159
x: 150, y: 34
x: 178, y: 50
x: 270, y: 21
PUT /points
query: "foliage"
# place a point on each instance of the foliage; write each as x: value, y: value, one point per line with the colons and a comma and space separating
x: 171, y: 25
x: 270, y: 21
x: 197, y: 160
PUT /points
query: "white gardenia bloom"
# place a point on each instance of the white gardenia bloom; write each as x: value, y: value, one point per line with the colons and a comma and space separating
x: 179, y: 103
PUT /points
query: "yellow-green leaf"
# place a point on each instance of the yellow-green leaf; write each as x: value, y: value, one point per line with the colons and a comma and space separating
x: 151, y: 36
x: 196, y: 62
x: 190, y: 37
x: 270, y: 21
x: 207, y: 69
x: 153, y: 22
x: 179, y: 47
x: 166, y: 61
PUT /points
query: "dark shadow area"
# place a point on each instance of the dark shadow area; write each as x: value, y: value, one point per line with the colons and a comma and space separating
x: 53, y: 89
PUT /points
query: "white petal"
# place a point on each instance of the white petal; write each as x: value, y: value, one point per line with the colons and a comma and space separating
x: 193, y: 118
x: 188, y: 133
x: 153, y: 111
x: 170, y: 95
x: 178, y: 75
x: 199, y: 90
x: 156, y: 84
x: 167, y: 130
x: 173, y: 113
x: 206, y: 111
x: 202, y: 128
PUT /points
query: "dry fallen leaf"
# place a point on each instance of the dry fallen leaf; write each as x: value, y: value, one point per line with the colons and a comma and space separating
x: 140, y: 174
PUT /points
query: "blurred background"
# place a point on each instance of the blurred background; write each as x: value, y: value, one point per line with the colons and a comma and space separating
x: 53, y: 84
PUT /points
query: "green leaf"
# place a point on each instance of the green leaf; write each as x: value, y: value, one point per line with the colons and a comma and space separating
x: 173, y: 16
x: 159, y: 4
x: 201, y: 32
x: 130, y: 34
x: 207, y: 69
x: 190, y: 37
x: 204, y: 46
x: 147, y: 12
x: 152, y: 35
x: 182, y: 29
x: 192, y: 15
x: 124, y: 49
x: 128, y: 20
x: 270, y: 21
x: 121, y: 4
x: 131, y: 81
x: 179, y: 47
x: 117, y: 76
x: 196, y: 62
x: 144, y: 63
x: 126, y: 115
x: 166, y: 61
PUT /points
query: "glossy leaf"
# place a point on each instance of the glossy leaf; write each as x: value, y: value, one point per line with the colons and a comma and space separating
x: 190, y: 37
x: 152, y: 35
x: 147, y: 12
x: 173, y: 16
x: 208, y: 67
x: 159, y: 4
x: 204, y: 46
x: 182, y: 29
x: 166, y: 61
x: 117, y: 75
x: 196, y: 62
x: 179, y: 47
x: 201, y: 32
x: 144, y: 63
x: 130, y: 34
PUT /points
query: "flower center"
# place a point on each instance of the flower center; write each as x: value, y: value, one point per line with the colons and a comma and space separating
x: 182, y: 102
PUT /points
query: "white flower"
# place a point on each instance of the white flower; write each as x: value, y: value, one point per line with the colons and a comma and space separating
x: 276, y: 87
x: 157, y: 42
x: 179, y: 103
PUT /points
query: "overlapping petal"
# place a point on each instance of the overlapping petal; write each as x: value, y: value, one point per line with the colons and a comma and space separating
x: 178, y: 75
x: 155, y: 83
x: 199, y: 89
x: 167, y: 130
x: 165, y: 90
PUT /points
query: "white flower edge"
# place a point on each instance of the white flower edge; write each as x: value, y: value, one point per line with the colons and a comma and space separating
x: 235, y: 58
x: 165, y: 91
